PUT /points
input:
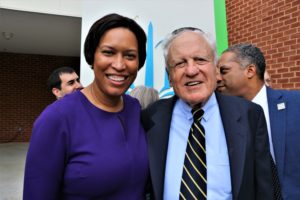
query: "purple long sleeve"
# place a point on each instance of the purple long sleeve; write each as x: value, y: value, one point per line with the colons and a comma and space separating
x: 78, y: 151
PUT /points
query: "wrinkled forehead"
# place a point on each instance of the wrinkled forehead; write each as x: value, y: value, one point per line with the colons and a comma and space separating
x: 189, y: 41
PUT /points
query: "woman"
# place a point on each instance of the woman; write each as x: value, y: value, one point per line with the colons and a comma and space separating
x: 90, y: 144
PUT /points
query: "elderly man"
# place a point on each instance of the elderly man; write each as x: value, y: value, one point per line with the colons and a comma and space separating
x: 223, y: 156
x: 242, y: 68
x: 63, y: 81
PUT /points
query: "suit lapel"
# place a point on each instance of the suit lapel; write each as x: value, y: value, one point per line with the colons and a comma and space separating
x: 235, y: 138
x: 278, y: 126
x: 158, y: 137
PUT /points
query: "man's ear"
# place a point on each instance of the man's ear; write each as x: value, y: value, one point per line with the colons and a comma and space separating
x: 250, y: 71
x: 169, y: 78
x: 56, y: 93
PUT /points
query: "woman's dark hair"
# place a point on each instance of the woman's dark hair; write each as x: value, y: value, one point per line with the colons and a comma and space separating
x: 106, y: 23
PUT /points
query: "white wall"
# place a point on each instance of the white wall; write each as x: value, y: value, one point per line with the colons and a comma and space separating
x: 165, y: 16
x: 58, y: 7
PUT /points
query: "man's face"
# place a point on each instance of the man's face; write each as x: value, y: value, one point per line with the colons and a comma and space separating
x: 267, y: 79
x: 192, y: 72
x: 69, y: 83
x: 231, y: 76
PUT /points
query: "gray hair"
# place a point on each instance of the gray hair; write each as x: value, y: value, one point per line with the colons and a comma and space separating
x: 144, y: 95
x: 170, y: 37
x: 247, y: 54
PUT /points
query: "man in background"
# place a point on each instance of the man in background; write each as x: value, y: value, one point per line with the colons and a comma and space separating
x: 63, y: 81
x: 145, y: 95
x: 241, y: 69
x: 267, y: 79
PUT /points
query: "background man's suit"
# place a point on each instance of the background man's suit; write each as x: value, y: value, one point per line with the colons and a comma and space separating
x: 284, y: 112
x: 248, y: 153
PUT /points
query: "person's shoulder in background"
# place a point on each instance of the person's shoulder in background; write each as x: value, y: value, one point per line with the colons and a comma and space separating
x: 145, y: 95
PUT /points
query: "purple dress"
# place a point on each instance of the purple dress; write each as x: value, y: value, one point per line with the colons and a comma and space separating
x: 80, y: 152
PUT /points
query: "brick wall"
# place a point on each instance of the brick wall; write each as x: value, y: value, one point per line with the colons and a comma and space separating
x: 274, y: 27
x: 24, y: 93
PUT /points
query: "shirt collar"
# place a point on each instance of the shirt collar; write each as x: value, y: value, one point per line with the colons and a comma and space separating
x: 260, y: 96
x: 208, y: 107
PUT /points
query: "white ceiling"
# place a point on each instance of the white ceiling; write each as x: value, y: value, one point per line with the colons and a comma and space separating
x: 36, y: 33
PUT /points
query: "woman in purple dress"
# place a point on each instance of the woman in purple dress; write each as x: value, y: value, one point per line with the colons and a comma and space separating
x: 91, y: 144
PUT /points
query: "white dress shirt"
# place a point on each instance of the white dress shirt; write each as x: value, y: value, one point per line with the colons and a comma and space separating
x: 262, y: 100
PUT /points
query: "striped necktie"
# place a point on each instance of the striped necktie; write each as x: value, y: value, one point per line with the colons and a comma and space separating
x: 193, y: 182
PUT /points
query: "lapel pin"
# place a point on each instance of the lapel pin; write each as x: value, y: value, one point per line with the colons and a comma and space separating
x: 280, y: 106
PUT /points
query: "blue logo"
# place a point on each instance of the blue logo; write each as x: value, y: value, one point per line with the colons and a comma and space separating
x: 164, y: 90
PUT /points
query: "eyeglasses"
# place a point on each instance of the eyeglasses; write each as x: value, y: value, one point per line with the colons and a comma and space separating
x: 179, y: 30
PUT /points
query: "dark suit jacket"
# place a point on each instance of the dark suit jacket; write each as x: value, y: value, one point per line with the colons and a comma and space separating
x: 247, y: 141
x: 284, y: 112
